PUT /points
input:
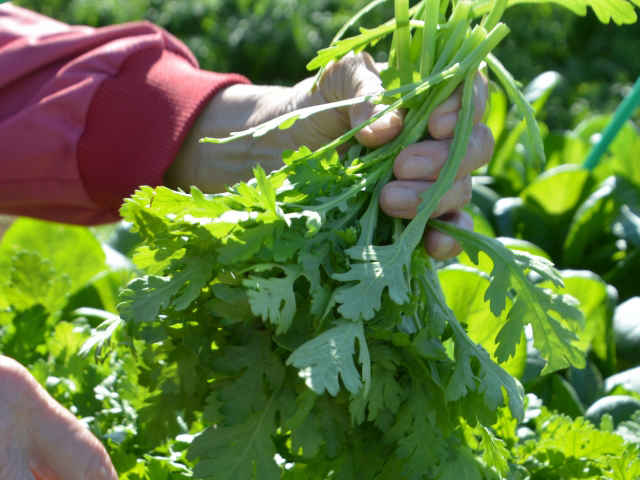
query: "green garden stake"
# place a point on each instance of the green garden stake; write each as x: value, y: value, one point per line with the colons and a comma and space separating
x: 622, y: 114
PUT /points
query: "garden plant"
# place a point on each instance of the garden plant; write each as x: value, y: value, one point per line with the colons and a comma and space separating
x: 287, y: 329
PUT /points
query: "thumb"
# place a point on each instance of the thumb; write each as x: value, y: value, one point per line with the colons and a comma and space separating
x: 44, y: 440
x: 355, y: 76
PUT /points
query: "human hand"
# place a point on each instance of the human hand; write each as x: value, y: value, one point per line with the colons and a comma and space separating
x: 416, y: 168
x: 39, y: 439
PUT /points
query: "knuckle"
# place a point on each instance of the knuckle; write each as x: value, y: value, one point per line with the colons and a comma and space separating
x: 466, y: 190
x: 400, y: 166
x: 487, y: 142
x: 385, y: 198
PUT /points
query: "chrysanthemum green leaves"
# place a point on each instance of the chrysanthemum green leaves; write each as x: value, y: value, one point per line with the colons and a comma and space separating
x: 619, y: 11
x: 317, y: 324
x: 553, y: 317
x: 329, y: 357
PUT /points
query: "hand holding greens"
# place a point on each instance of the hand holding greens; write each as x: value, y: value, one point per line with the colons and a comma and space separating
x: 315, y: 327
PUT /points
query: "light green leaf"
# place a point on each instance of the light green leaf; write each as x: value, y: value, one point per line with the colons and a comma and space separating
x: 243, y: 451
x: 495, y: 454
x: 144, y: 297
x: 558, y: 191
x: 381, y: 268
x: 273, y: 298
x: 464, y: 289
x: 596, y: 305
x: 554, y: 317
x: 329, y: 356
x: 60, y: 246
x: 620, y: 11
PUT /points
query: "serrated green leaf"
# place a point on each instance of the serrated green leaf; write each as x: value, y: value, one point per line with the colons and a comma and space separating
x: 620, y: 11
x: 352, y: 44
x: 540, y: 307
x: 464, y: 291
x: 144, y: 297
x: 329, y: 356
x: 243, y: 451
x: 495, y: 453
x: 380, y: 269
x: 273, y: 298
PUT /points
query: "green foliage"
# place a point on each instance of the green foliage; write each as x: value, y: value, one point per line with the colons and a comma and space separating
x: 259, y: 305
x: 247, y: 37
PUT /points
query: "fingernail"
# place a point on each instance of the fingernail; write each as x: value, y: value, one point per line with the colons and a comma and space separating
x: 400, y: 199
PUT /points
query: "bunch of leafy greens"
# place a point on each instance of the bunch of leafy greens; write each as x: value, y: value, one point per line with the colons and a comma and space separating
x: 308, y: 330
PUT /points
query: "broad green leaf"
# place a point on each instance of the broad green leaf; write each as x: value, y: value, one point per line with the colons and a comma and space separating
x: 620, y: 407
x: 25, y: 338
x: 554, y: 196
x: 595, y: 217
x: 464, y: 289
x: 628, y: 226
x: 626, y: 326
x: 144, y: 298
x: 620, y: 159
x: 495, y: 452
x: 558, y: 395
x: 386, y: 393
x: 58, y: 245
x: 484, y: 262
x: 578, y: 439
x: 596, y: 305
x: 512, y: 164
x: 480, y: 222
x: 254, y: 367
x: 31, y: 279
x: 462, y: 465
x: 515, y: 218
x: 587, y: 382
x: 559, y: 191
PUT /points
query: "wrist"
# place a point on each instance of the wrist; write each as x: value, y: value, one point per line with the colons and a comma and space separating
x: 212, y: 167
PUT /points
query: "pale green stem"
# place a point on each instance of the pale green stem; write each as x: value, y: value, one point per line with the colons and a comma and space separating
x: 431, y: 17
x: 403, y: 40
x: 495, y: 15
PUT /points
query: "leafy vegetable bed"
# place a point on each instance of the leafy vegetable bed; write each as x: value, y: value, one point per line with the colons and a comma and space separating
x: 287, y: 329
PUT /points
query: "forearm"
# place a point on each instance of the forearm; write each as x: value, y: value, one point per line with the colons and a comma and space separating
x: 88, y: 115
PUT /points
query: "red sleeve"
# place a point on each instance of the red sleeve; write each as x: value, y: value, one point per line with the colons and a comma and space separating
x: 87, y: 115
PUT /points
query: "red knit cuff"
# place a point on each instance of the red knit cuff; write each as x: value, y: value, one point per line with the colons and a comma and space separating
x: 138, y: 120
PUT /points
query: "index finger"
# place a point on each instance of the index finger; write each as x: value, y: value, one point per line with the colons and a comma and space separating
x: 442, y: 122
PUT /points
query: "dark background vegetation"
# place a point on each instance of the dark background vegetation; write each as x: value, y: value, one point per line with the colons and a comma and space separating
x: 271, y: 41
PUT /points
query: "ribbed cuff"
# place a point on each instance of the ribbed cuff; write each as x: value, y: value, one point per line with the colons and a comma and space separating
x: 138, y: 120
